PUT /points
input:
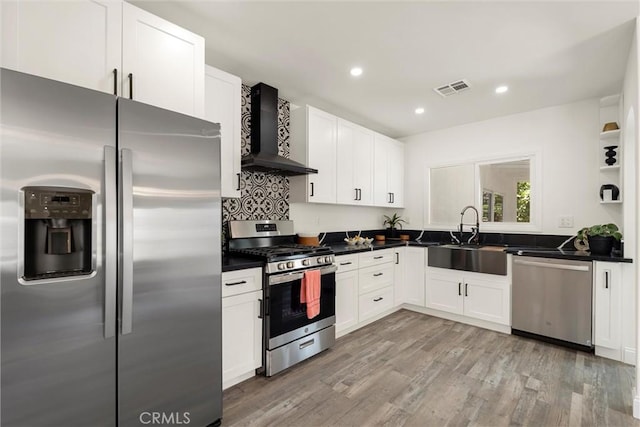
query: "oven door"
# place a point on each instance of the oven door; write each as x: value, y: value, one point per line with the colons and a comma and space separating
x: 286, y: 318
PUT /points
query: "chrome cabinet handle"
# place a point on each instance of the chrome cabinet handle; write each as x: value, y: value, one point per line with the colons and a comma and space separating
x: 459, y: 289
x: 110, y: 241
x: 378, y: 257
x: 466, y: 289
x: 606, y: 280
x: 307, y: 343
x: 242, y: 282
x: 126, y: 238
x: 238, y: 189
x: 377, y: 275
x: 312, y: 192
x: 397, y: 258
x: 378, y: 299
x: 346, y: 263
x: 261, y: 312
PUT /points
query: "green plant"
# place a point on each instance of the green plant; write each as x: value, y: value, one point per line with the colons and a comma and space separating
x: 604, y: 230
x: 393, y: 221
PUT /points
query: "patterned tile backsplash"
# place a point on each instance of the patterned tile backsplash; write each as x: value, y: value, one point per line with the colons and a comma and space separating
x: 262, y: 195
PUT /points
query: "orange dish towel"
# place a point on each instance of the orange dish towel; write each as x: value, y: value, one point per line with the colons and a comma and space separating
x: 310, y: 292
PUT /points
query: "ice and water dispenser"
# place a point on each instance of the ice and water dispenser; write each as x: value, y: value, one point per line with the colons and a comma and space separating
x: 57, y: 232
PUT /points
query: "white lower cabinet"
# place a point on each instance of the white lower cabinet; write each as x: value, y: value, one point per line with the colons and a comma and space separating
x: 346, y: 293
x: 479, y: 296
x: 414, y: 267
x: 608, y: 305
x: 241, y: 325
x: 399, y: 275
x: 364, y: 288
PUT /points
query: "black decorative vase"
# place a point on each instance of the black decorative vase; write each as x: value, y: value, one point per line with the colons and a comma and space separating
x: 392, y: 233
x: 600, y: 245
x: 611, y: 155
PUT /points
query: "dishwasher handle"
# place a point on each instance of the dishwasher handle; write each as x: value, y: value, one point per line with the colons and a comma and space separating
x: 548, y: 265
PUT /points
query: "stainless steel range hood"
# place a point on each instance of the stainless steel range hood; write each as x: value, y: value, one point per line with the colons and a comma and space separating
x: 264, y: 136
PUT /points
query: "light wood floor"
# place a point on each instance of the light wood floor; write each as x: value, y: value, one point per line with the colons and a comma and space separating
x: 416, y: 370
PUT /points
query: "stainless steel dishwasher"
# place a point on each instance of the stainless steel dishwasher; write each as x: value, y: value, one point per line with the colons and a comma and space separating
x: 552, y: 298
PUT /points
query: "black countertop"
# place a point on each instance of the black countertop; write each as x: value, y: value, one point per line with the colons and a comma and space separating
x: 232, y: 263
x: 563, y: 254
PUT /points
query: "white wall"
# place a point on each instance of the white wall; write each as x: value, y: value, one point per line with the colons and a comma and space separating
x: 566, y: 138
x: 316, y: 217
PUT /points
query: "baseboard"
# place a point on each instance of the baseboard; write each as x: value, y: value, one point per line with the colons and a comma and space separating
x: 505, y: 329
x: 636, y: 406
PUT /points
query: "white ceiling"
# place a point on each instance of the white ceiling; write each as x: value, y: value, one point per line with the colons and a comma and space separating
x: 548, y: 53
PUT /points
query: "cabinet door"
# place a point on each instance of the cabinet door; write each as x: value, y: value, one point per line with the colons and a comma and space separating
x: 241, y: 336
x: 346, y: 160
x: 223, y: 93
x: 322, y: 136
x: 399, y: 267
x: 414, y: 286
x: 346, y: 300
x: 381, y: 196
x: 487, y: 300
x: 444, y: 292
x: 76, y: 42
x: 362, y: 164
x: 395, y: 178
x: 607, y: 294
x: 166, y: 62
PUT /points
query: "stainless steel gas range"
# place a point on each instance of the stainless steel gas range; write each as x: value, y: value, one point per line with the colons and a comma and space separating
x: 289, y: 335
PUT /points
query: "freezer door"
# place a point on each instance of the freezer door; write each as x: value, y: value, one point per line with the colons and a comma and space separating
x: 169, y: 350
x: 58, y: 356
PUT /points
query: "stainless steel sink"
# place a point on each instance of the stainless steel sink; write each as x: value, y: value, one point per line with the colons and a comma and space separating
x: 479, y: 259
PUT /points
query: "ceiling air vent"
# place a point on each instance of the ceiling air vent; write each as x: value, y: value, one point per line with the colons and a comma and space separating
x: 452, y: 88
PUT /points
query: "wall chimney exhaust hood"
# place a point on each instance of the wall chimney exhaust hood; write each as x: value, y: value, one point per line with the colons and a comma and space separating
x: 264, y: 136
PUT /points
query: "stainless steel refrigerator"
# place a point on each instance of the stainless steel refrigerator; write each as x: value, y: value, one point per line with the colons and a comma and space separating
x: 109, y: 262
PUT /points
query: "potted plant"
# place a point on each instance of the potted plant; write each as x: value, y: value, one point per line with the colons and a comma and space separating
x: 600, y: 238
x: 393, y: 222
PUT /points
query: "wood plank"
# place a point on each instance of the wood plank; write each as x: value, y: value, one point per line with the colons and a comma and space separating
x: 410, y: 369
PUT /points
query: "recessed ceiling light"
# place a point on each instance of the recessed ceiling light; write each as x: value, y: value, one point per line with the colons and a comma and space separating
x: 502, y: 89
x: 419, y: 110
x: 356, y: 71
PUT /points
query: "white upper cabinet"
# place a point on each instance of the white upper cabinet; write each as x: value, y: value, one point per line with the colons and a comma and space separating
x: 313, y: 143
x: 163, y: 62
x: 354, y: 164
x: 76, y: 42
x: 388, y: 185
x: 223, y: 93
x: 82, y: 42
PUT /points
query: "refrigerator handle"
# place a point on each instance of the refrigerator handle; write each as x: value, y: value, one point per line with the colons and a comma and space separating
x: 110, y: 242
x: 126, y: 238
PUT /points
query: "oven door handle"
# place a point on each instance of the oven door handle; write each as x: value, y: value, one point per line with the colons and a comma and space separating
x: 276, y: 279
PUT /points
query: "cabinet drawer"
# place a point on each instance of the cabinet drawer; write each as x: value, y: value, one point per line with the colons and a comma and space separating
x: 375, y: 257
x: 241, y: 281
x: 374, y: 303
x: 375, y: 277
x: 346, y: 263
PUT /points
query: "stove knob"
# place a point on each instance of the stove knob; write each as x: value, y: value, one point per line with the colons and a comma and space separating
x: 320, y: 260
x: 290, y: 264
x: 281, y: 266
x: 306, y: 262
x: 328, y: 259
